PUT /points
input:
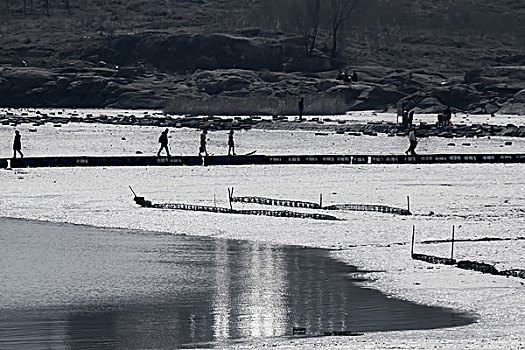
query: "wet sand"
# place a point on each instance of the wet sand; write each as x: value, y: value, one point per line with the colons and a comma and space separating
x: 82, y: 287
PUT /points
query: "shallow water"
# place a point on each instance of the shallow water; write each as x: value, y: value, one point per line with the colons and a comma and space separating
x: 80, y: 287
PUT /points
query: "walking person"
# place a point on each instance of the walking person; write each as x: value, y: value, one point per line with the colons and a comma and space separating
x: 163, y: 140
x: 301, y: 108
x: 413, y: 142
x: 202, y: 147
x: 17, y: 144
x: 231, y: 144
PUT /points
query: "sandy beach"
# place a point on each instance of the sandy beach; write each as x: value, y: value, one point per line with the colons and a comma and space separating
x: 480, y: 200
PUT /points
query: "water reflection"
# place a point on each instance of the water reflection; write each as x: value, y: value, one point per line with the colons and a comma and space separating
x: 207, y: 290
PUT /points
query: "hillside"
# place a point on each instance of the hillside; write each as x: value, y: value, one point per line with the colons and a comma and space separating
x: 135, y: 54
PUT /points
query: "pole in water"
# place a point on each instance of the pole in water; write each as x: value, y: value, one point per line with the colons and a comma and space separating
x: 230, y: 195
x: 132, y: 191
x: 452, y: 250
x: 408, y: 203
x: 413, y: 236
x: 320, y: 199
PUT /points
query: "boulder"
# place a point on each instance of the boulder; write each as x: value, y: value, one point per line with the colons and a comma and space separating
x: 324, y: 85
x: 460, y: 97
x: 513, y: 107
x: 430, y: 105
x: 472, y: 76
x: 130, y: 72
x: 520, y: 96
x: 308, y: 64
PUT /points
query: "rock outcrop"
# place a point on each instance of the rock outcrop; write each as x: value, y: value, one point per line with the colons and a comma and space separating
x: 154, y: 69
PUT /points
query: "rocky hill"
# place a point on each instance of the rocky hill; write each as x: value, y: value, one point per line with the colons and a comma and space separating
x: 204, y: 55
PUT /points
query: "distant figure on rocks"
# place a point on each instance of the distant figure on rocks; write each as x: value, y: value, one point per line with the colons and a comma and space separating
x: 413, y: 142
x: 17, y: 144
x: 343, y: 75
x: 231, y: 144
x: 163, y: 140
x: 301, y: 108
x: 354, y: 76
x: 202, y: 147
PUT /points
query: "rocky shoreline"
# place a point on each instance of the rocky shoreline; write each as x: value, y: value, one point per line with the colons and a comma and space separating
x: 243, y: 68
x: 320, y: 125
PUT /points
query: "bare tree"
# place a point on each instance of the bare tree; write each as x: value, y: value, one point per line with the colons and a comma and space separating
x: 30, y: 4
x: 340, y: 12
x: 307, y: 14
x: 45, y: 6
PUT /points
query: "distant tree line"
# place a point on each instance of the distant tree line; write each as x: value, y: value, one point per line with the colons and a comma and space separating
x: 30, y: 6
x: 309, y: 18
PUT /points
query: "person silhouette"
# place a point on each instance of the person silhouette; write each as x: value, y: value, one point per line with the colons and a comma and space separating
x: 410, y: 118
x: 413, y: 142
x: 301, y: 108
x: 202, y: 147
x: 163, y: 140
x: 17, y: 144
x: 231, y: 144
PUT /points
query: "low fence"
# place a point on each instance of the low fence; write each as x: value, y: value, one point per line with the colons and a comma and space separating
x: 310, y: 205
x: 276, y: 202
x: 370, y: 207
x: 213, y: 209
x: 464, y: 264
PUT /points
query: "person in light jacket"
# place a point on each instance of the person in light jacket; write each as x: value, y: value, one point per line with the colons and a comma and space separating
x: 413, y: 142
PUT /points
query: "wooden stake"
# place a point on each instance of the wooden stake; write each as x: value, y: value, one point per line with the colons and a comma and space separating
x: 320, y: 199
x: 452, y: 250
x: 413, y: 236
x: 230, y: 195
x: 408, y: 203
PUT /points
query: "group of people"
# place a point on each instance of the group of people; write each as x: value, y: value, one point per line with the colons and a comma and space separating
x: 163, y: 140
x: 445, y: 118
x: 345, y: 77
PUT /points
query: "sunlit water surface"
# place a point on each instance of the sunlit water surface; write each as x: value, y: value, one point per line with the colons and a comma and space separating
x: 80, y: 287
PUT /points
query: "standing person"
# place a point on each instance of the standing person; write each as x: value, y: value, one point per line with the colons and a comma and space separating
x: 202, y: 148
x: 448, y: 116
x: 17, y: 144
x: 231, y: 143
x: 413, y: 142
x: 410, y: 118
x: 354, y: 76
x: 301, y: 108
x: 404, y: 118
x: 163, y: 140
